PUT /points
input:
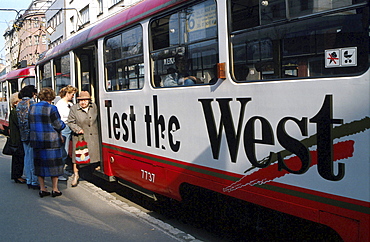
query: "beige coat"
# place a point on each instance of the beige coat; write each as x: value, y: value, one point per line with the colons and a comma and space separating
x: 78, y: 119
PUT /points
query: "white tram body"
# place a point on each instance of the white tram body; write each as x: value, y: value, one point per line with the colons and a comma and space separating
x: 284, y: 123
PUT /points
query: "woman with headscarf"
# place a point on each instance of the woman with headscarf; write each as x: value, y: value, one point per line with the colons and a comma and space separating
x: 83, y: 120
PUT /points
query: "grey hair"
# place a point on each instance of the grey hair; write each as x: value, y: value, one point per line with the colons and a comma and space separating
x: 14, y: 99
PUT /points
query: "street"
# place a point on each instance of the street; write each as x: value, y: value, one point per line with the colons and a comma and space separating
x: 83, y: 213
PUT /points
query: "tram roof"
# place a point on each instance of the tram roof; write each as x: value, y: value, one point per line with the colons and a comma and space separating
x: 120, y: 20
x: 19, y: 73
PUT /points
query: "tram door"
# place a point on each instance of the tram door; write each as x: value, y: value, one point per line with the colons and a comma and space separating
x: 85, y: 71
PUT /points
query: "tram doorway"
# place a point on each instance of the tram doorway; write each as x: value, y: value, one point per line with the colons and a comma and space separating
x: 86, y: 71
x: 87, y: 79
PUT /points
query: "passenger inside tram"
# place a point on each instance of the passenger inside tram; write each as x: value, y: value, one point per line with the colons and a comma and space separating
x: 179, y: 76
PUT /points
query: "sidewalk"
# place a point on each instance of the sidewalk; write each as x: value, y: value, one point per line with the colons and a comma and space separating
x: 83, y: 213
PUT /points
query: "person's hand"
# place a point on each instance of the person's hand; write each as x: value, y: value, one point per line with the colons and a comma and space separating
x: 81, y: 131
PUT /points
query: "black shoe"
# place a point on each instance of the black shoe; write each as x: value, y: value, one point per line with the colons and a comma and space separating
x: 19, y: 181
x: 44, y: 194
x: 56, y: 194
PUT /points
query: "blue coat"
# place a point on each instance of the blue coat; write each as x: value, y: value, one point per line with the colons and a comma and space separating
x: 45, y: 126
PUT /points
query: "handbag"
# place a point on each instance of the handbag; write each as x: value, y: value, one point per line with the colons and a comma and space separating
x: 10, y: 149
x: 82, y: 152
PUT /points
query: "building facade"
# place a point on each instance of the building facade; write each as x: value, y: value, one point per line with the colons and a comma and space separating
x: 82, y: 14
x: 27, y: 39
x: 47, y: 23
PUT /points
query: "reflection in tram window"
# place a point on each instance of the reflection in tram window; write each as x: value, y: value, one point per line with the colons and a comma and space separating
x: 184, y: 46
x: 124, y: 62
x: 269, y: 41
x: 45, y: 75
x: 62, y: 72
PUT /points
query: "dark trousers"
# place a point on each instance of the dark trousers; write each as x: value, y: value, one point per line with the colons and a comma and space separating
x: 17, y: 166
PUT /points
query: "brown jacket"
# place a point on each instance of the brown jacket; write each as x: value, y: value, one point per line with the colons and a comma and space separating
x: 78, y: 119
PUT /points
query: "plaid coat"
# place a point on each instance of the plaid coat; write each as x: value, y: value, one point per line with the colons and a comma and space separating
x: 45, y: 126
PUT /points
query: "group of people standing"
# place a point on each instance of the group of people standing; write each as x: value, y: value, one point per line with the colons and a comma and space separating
x: 44, y: 131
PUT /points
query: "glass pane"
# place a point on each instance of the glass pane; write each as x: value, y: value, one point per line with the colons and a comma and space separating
x: 113, y: 48
x: 127, y: 72
x: 188, y: 25
x: 65, y: 64
x: 132, y: 42
x: 201, y: 21
x: 245, y: 14
x: 190, y: 54
x: 13, y: 86
x: 272, y: 11
x: 47, y: 70
x: 304, y: 7
x: 46, y: 75
x: 62, y: 67
x: 161, y: 32
x: 111, y: 83
x: 46, y: 83
x: 5, y: 92
x: 297, y: 48
x: 28, y: 81
x: 203, y: 61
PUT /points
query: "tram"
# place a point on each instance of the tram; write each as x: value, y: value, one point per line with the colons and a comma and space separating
x: 10, y: 83
x: 263, y: 101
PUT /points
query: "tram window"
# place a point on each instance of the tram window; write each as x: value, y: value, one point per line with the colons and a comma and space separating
x: 13, y: 86
x: 62, y: 72
x: 28, y: 81
x: 45, y: 75
x: 184, y: 46
x: 272, y: 47
x: 124, y: 62
x: 113, y: 48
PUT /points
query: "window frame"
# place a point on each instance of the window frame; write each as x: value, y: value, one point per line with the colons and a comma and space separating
x: 130, y: 61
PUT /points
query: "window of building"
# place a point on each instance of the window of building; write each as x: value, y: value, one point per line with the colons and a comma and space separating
x: 85, y: 16
x: 124, y: 62
x: 72, y: 20
x: 114, y: 2
x: 36, y: 23
x: 43, y: 21
x: 58, y: 18
x: 275, y: 40
x: 100, y: 6
x: 44, y: 39
x: 37, y: 39
x: 185, y: 46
